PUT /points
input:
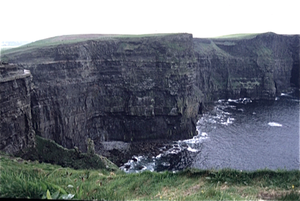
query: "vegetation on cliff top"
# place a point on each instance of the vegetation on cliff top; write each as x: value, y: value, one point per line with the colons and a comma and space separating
x: 31, y: 179
x: 68, y: 39
x: 238, y: 36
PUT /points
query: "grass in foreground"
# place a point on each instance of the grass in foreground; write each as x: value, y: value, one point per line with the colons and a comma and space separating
x: 31, y: 179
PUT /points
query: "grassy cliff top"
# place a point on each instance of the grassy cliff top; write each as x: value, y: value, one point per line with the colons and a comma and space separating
x: 65, y: 39
x: 69, y: 39
x: 20, y: 178
x: 238, y: 36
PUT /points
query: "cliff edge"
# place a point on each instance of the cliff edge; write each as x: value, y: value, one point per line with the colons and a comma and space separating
x: 16, y: 129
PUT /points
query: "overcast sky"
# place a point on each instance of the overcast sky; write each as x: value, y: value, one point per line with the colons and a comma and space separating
x: 38, y: 19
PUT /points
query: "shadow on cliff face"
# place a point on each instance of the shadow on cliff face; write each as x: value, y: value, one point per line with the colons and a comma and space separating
x: 295, y: 74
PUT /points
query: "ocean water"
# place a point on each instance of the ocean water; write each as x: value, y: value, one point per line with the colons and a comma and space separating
x: 239, y: 134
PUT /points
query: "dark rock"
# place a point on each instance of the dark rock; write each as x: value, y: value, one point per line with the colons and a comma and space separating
x: 260, y: 66
x: 99, y: 89
x: 3, y: 63
x: 16, y: 131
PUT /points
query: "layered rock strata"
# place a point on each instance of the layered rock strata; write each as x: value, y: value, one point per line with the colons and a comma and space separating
x: 16, y: 129
x: 255, y: 66
x: 124, y: 89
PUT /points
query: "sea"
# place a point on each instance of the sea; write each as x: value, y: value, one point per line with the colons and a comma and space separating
x: 240, y: 134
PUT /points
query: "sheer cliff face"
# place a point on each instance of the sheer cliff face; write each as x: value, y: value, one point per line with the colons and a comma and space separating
x: 258, y: 66
x: 141, y: 88
x: 15, y: 122
x: 125, y: 89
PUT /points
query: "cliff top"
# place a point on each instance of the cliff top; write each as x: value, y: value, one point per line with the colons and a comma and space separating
x: 239, y: 36
x: 205, y: 45
x: 68, y: 39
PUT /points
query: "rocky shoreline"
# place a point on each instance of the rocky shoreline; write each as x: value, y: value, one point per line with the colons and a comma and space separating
x: 120, y: 152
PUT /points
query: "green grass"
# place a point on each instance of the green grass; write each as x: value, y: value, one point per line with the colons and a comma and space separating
x: 46, y: 150
x: 31, y: 179
x: 238, y: 36
x: 68, y: 39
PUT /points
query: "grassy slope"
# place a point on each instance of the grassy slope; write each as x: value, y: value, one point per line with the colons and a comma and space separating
x: 48, y: 151
x: 67, y: 39
x: 31, y: 179
x: 209, y: 45
x: 239, y: 36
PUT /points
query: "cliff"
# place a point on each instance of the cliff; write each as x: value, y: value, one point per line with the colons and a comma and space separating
x: 137, y: 88
x: 117, y: 88
x: 16, y: 129
x: 258, y: 66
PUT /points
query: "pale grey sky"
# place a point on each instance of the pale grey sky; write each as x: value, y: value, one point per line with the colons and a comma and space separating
x: 38, y: 19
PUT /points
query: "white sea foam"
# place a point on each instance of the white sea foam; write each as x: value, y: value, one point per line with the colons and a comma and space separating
x: 158, y: 156
x: 231, y: 100
x: 165, y: 164
x: 203, y: 134
x: 221, y: 100
x: 240, y: 100
x: 274, y: 124
x: 229, y: 121
x: 26, y: 71
x: 192, y: 150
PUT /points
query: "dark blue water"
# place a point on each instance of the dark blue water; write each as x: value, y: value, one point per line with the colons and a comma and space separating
x: 255, y: 135
x: 238, y: 134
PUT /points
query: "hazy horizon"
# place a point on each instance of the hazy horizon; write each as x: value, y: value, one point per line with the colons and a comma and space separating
x: 33, y: 20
